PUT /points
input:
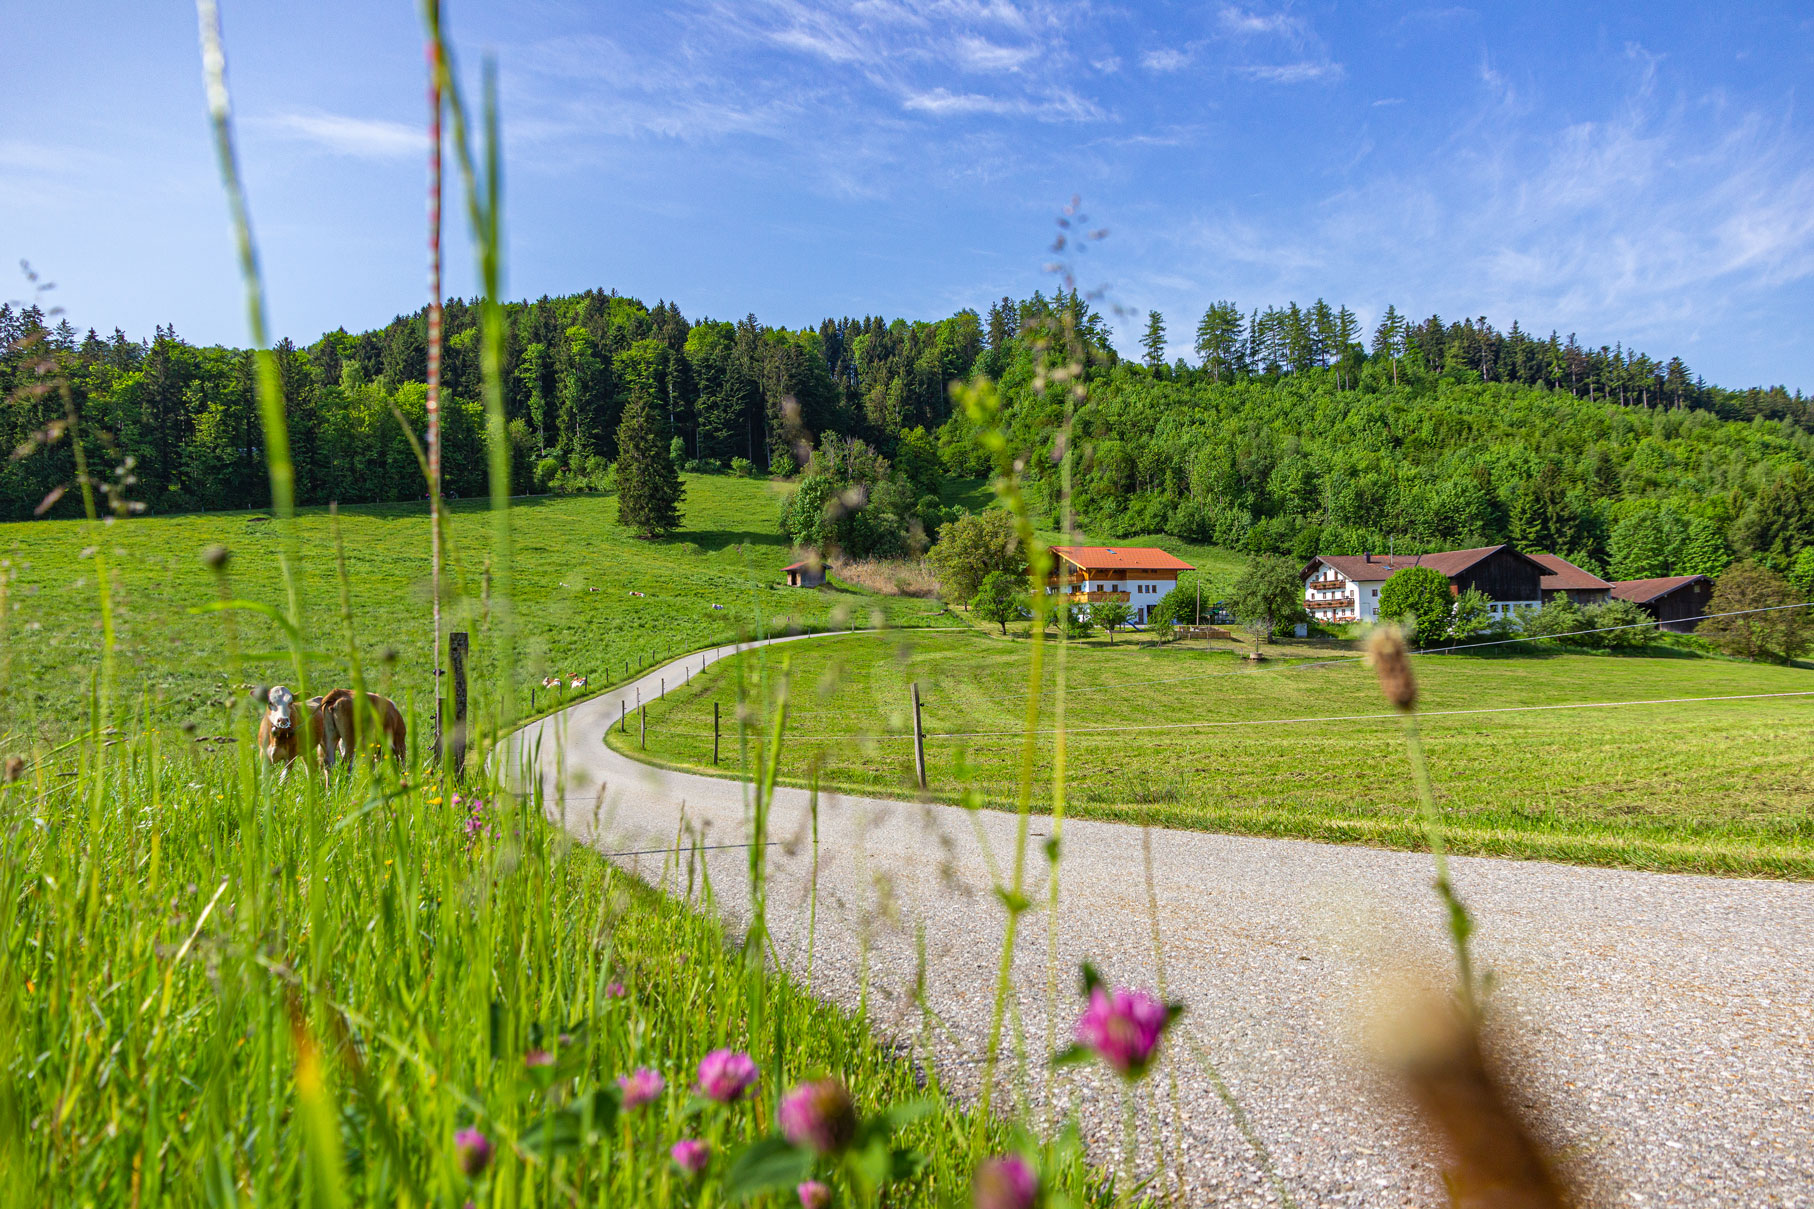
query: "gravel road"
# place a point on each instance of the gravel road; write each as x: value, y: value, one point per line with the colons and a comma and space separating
x: 1662, y: 1024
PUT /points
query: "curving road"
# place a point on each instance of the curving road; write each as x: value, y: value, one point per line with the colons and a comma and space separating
x: 1664, y: 1024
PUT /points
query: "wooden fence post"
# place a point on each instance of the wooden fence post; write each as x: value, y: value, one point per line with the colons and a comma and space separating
x: 457, y: 647
x: 714, y: 734
x: 623, y: 717
x: 664, y: 687
x: 919, y: 737
x: 642, y: 723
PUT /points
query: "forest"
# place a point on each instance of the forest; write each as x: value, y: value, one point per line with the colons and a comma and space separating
x: 1291, y: 431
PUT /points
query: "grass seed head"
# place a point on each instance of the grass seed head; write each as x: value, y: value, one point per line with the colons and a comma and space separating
x: 1493, y: 1158
x: 216, y: 557
x: 1388, y: 657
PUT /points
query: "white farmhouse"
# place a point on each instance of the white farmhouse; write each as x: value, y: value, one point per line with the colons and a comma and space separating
x: 1346, y: 587
x: 1140, y: 576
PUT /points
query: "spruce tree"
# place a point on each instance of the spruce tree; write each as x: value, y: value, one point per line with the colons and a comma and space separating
x: 649, y: 490
x: 1154, y: 340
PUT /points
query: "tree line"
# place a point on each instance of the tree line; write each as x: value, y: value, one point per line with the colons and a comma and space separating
x: 1289, y: 437
x: 1294, y: 432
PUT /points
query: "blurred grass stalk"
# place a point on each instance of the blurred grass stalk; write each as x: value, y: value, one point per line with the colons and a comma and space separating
x: 270, y: 387
x: 1494, y: 1159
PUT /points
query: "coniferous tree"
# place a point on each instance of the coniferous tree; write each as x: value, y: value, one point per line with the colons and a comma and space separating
x: 1389, y: 338
x: 649, y: 490
x: 1154, y: 340
x: 1219, y: 339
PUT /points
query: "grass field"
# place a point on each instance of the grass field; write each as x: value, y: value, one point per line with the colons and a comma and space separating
x: 575, y: 568
x: 1189, y: 738
x: 220, y: 987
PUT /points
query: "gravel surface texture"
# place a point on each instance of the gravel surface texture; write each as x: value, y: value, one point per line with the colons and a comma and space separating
x: 1659, y: 1026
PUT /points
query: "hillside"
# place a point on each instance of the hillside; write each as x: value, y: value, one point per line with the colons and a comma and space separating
x: 589, y: 597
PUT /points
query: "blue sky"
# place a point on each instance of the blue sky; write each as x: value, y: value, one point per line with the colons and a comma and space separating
x: 1639, y: 173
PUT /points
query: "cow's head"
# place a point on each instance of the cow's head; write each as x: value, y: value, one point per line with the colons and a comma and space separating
x: 280, y: 705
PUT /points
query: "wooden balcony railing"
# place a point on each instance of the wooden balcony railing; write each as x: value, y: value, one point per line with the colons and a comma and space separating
x: 1319, y: 585
x: 1094, y: 597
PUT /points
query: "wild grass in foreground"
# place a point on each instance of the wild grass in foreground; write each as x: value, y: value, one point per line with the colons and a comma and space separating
x: 1178, y: 738
x: 215, y: 986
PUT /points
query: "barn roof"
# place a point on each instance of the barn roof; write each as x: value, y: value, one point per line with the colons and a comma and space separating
x: 805, y: 564
x: 1560, y: 575
x: 1121, y: 558
x: 1643, y: 591
x: 1382, y: 566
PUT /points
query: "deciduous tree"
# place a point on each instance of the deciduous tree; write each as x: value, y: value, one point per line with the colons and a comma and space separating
x: 998, y: 598
x: 971, y: 548
x: 1778, y: 635
x: 1111, y: 615
x: 1420, y: 597
x: 1269, y: 592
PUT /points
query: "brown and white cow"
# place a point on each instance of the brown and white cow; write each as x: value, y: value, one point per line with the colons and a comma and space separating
x: 342, y: 718
x: 278, y: 738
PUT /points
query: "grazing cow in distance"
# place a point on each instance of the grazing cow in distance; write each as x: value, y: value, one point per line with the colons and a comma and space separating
x: 342, y: 716
x: 577, y: 683
x: 278, y: 741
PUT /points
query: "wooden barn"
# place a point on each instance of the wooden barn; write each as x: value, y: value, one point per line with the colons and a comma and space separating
x: 1561, y: 577
x: 1678, y: 602
x: 807, y: 573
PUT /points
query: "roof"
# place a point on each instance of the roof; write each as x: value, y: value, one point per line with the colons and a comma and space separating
x: 1643, y: 591
x: 1121, y: 558
x: 805, y: 564
x: 1560, y: 575
x: 1382, y: 566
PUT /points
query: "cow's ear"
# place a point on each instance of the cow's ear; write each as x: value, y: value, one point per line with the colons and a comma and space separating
x: 261, y: 694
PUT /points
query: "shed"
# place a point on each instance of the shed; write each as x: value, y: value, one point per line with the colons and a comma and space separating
x: 807, y: 573
x: 1678, y: 602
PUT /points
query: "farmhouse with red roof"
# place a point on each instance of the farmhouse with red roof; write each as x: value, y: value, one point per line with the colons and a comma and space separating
x: 1140, y: 576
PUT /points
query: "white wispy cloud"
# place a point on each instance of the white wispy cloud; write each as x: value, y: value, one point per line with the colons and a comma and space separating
x: 1061, y: 106
x: 364, y: 138
x: 1303, y: 72
x: 1167, y: 59
x: 1247, y: 23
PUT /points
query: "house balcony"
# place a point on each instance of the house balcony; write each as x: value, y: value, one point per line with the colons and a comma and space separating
x: 1325, y: 585
x: 1095, y: 597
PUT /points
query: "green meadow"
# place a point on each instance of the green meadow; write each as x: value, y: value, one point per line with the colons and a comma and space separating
x: 590, y: 600
x: 1535, y: 754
